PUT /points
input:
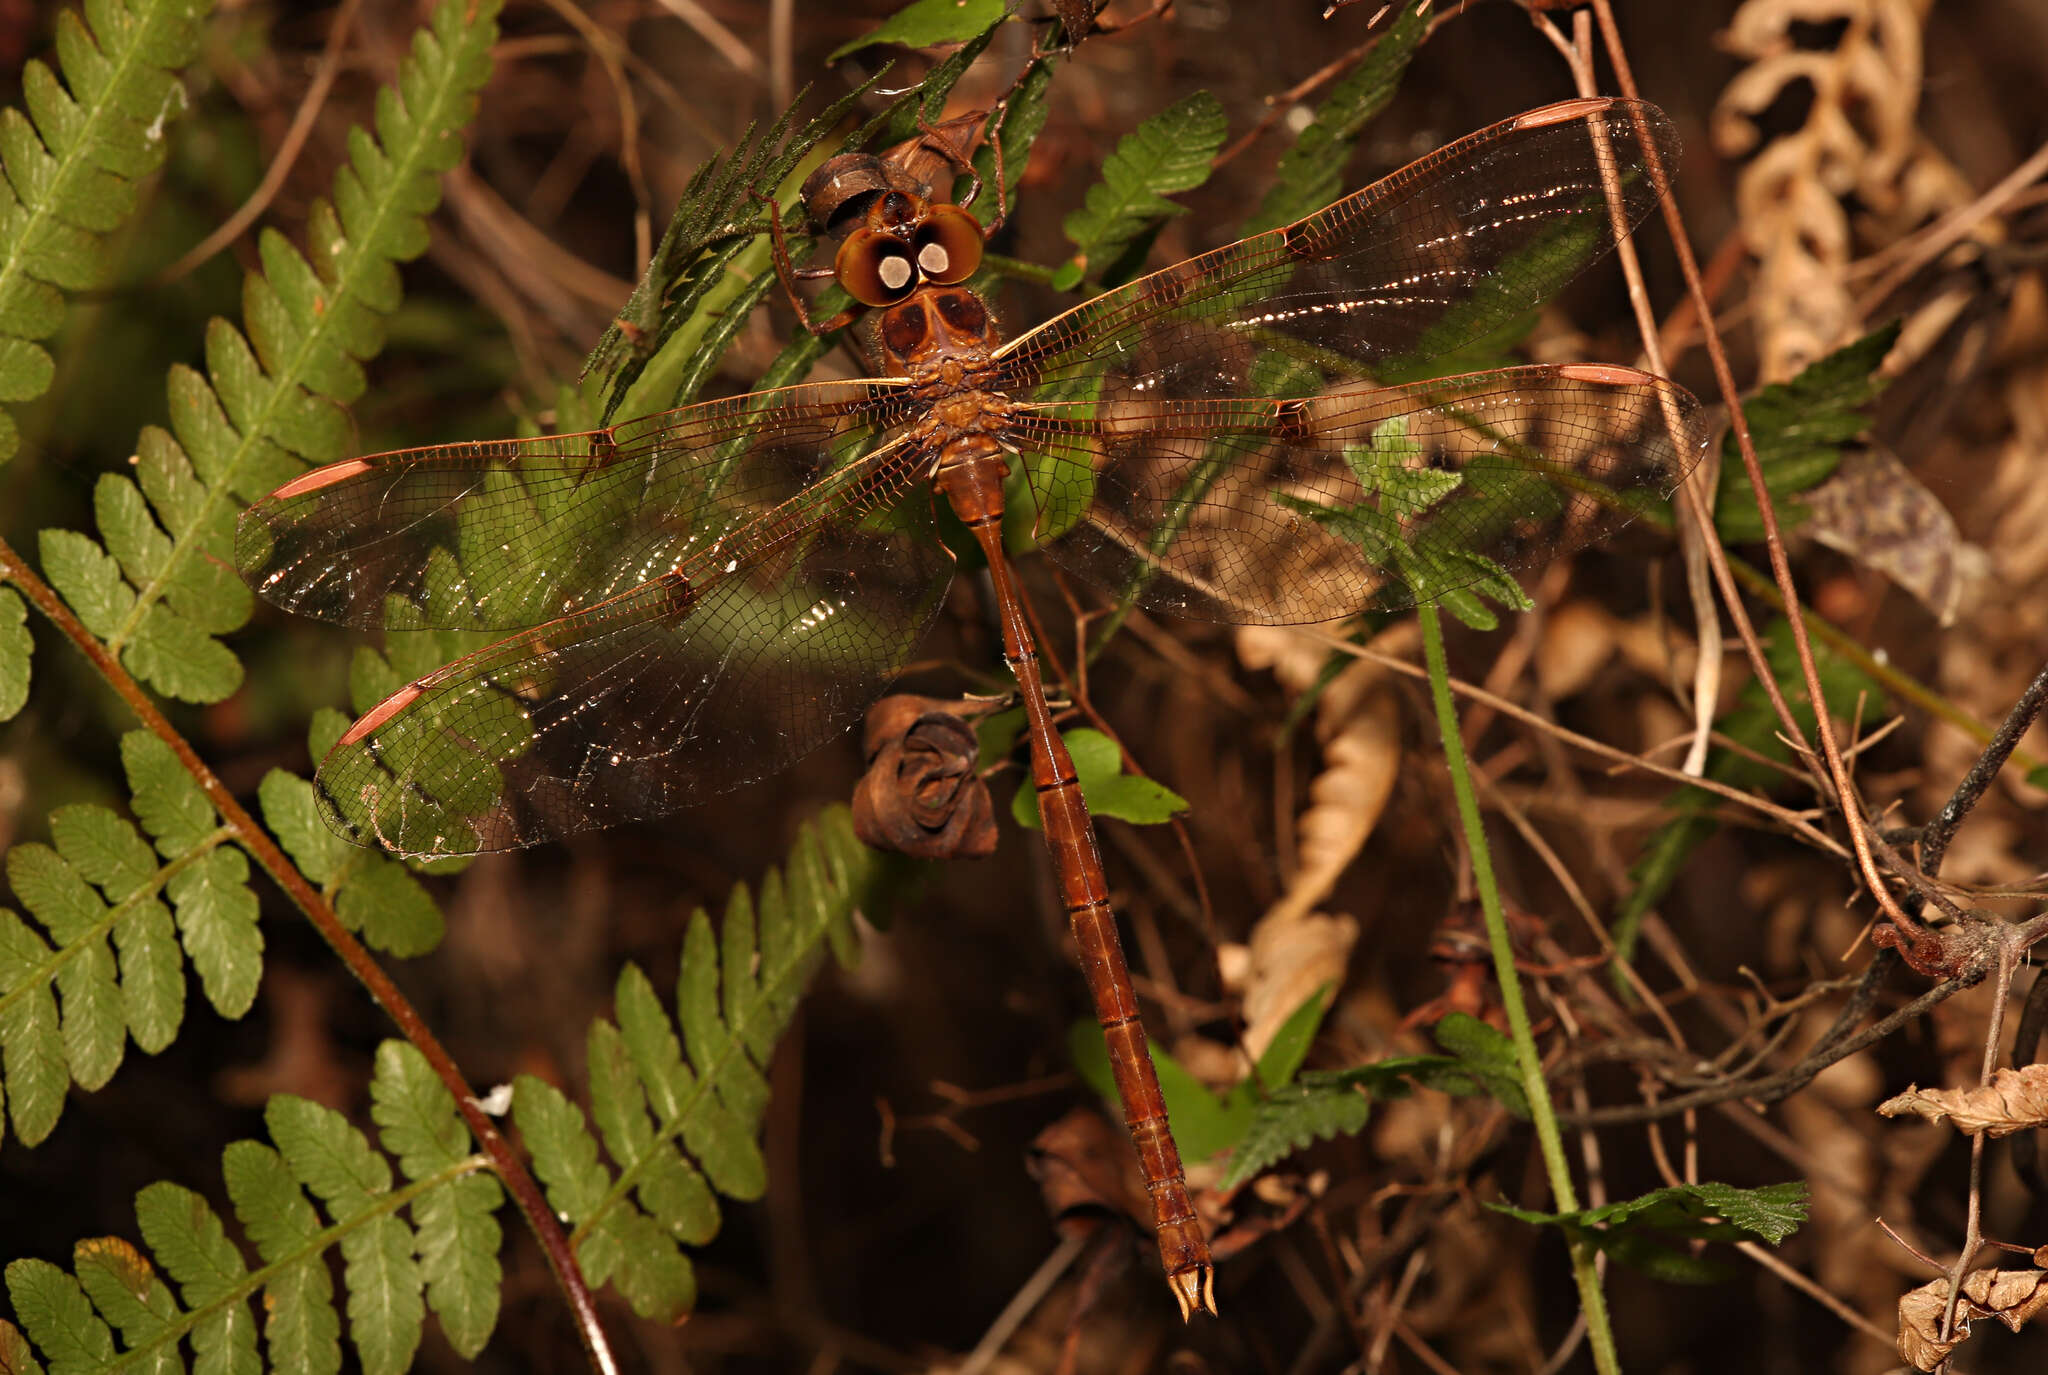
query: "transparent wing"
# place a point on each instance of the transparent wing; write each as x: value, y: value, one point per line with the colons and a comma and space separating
x: 707, y: 676
x: 502, y: 534
x: 1444, y: 251
x: 1359, y: 498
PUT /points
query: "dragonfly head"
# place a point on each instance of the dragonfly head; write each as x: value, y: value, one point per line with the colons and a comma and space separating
x: 905, y: 242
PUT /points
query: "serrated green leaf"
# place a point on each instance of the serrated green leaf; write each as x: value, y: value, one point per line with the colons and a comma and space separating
x: 326, y: 1153
x: 1311, y: 173
x: 1488, y: 1055
x: 180, y: 660
x: 31, y: 1041
x: 16, y: 648
x: 88, y: 578
x: 388, y: 905
x: 131, y: 533
x: 1167, y: 154
x: 125, y: 1288
x: 458, y: 1236
x: 459, y: 1239
x: 104, y: 849
x: 300, y: 1326
x: 651, y: 1271
x: 189, y: 1243
x: 1708, y: 1211
x: 564, y: 1152
x: 385, y: 1308
x: 59, y: 1317
x: 217, y: 918
x: 289, y: 809
x: 95, y: 1022
x: 54, y: 891
x: 1105, y: 788
x: 670, y: 1188
x: 1291, y: 1119
x: 166, y: 799
x: 927, y: 23
x: 1799, y: 429
x: 152, y: 974
x: 415, y: 1116
x: 334, y: 1160
x: 740, y: 1085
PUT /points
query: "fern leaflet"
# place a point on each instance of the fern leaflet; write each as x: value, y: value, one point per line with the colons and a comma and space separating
x: 1169, y: 153
x: 429, y: 1243
x: 678, y: 1102
x: 159, y: 586
x: 72, y: 164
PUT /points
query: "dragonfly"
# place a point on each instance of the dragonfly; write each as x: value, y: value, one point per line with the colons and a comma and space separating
x: 693, y: 600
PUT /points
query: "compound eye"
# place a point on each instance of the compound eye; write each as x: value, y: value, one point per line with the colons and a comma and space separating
x: 949, y: 245
x: 875, y: 269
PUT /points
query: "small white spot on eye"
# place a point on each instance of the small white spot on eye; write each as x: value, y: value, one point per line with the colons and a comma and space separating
x: 894, y: 272
x: 615, y: 761
x: 933, y: 258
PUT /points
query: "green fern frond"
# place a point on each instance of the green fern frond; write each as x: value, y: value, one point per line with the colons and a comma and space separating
x: 16, y: 647
x: 159, y: 585
x: 429, y: 1243
x: 72, y: 164
x: 678, y: 1101
x: 99, y: 958
x: 1311, y: 173
x: 1167, y: 154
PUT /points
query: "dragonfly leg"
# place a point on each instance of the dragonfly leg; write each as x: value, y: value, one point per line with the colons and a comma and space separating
x: 966, y: 165
x: 789, y: 274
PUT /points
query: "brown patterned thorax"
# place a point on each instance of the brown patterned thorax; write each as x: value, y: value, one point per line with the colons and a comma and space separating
x: 943, y: 339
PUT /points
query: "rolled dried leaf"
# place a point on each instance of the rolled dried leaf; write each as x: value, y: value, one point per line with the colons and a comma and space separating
x: 2015, y: 1100
x: 923, y: 794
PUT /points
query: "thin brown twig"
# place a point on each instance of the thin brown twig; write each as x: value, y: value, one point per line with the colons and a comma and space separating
x: 1784, y: 816
x: 1949, y: 230
x: 510, y: 1169
x: 1781, y: 568
x: 288, y: 150
x: 610, y: 54
x: 1697, y: 492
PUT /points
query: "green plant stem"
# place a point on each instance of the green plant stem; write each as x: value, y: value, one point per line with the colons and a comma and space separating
x: 1565, y: 1199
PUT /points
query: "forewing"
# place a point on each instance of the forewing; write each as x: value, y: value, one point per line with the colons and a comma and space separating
x: 503, y: 534
x: 1359, y: 498
x: 701, y: 679
x: 1444, y: 251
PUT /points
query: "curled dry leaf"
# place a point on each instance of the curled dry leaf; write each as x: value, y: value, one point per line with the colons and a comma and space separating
x: 1578, y: 640
x: 1294, y: 950
x: 1858, y: 146
x: 923, y: 794
x: 1879, y: 514
x: 2015, y: 1100
x: 2011, y: 1296
x: 1084, y: 1167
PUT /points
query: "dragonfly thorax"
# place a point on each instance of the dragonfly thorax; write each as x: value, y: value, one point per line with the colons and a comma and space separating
x: 941, y: 335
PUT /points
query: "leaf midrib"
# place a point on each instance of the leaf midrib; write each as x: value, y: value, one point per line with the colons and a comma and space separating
x: 389, y: 208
